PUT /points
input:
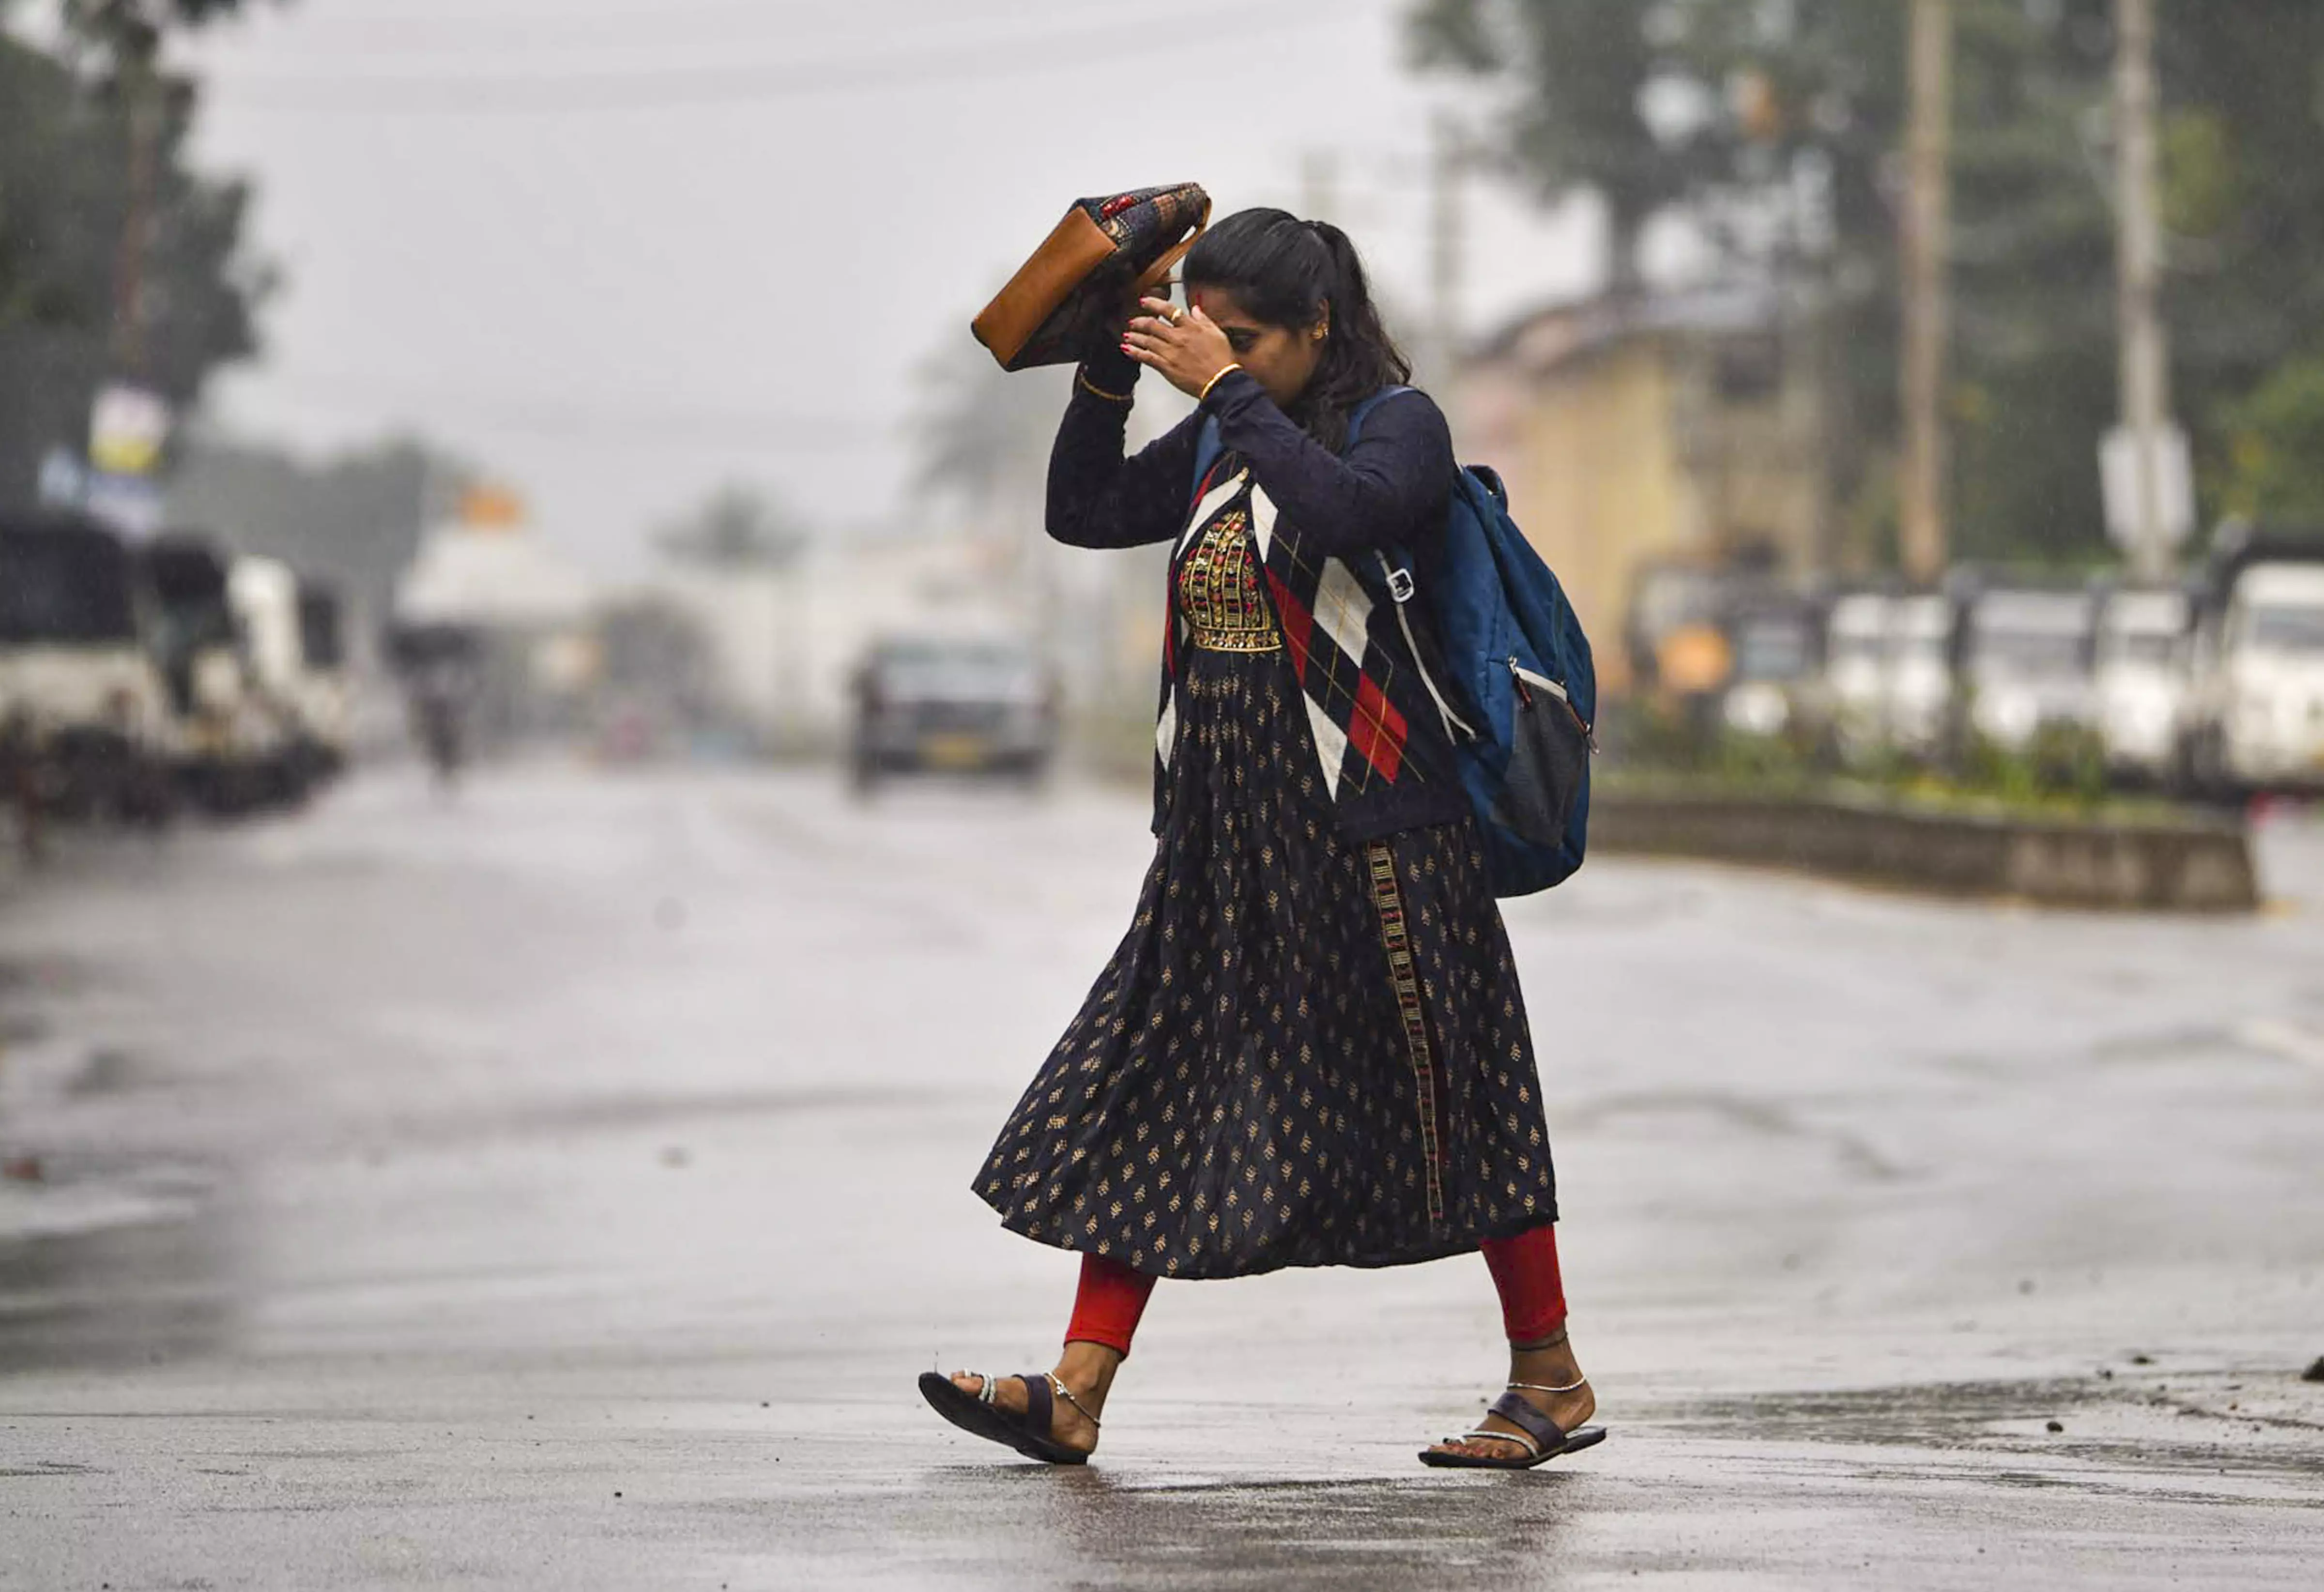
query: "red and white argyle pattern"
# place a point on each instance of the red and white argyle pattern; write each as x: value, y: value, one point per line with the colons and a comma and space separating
x: 1325, y: 615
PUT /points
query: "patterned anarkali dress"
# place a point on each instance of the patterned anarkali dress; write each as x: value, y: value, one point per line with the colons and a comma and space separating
x: 1307, y: 1049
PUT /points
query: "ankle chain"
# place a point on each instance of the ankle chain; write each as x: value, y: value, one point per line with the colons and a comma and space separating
x: 1537, y: 1388
x: 1066, y: 1394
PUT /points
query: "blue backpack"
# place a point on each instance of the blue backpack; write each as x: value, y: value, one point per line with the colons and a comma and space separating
x: 1521, y: 665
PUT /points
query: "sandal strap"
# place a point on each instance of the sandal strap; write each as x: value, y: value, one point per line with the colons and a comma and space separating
x: 1545, y: 1432
x: 1040, y: 1409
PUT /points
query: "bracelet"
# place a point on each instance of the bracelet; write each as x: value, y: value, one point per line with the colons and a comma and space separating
x: 1081, y: 380
x: 1214, y: 380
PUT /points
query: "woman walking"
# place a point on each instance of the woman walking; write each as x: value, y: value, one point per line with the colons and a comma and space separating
x: 1310, y: 1049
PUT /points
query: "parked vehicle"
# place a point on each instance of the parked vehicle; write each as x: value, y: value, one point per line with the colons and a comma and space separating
x: 1778, y: 684
x: 2140, y: 680
x: 1855, y: 670
x: 325, y: 698
x: 231, y: 745
x: 2254, y: 718
x: 974, y: 705
x: 306, y: 702
x: 2023, y: 660
x: 84, y: 709
x: 1916, y: 697
x: 1673, y: 612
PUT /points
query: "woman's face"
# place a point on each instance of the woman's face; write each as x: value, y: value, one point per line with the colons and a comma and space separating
x: 1281, y: 359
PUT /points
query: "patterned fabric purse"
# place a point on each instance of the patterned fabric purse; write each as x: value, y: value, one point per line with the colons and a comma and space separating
x: 1104, y: 253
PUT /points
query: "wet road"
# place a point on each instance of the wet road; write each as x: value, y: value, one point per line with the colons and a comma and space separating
x: 562, y: 1189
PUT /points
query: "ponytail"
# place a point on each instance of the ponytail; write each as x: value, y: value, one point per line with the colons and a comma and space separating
x: 1359, y: 357
x: 1290, y: 273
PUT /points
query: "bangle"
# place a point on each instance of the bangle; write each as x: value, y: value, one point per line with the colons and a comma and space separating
x: 1214, y: 380
x: 1081, y: 380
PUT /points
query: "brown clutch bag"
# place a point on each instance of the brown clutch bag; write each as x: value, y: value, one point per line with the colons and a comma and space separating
x: 1105, y: 253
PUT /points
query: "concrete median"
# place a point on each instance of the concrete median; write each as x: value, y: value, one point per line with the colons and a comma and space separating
x: 2163, y: 864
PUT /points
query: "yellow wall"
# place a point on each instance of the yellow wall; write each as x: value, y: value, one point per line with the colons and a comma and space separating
x: 1595, y: 484
x: 1621, y: 458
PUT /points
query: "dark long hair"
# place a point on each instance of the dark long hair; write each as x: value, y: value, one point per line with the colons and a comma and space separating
x: 1285, y: 270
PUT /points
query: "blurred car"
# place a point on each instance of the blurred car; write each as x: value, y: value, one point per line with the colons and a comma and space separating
x: 1777, y: 683
x: 1916, y: 691
x: 926, y: 703
x: 234, y: 749
x: 84, y: 710
x: 326, y: 689
x: 2024, y: 660
x: 2254, y: 718
x: 1855, y: 670
x: 2141, y: 676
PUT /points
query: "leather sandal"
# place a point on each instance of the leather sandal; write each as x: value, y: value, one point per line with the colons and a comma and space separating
x: 1027, y: 1433
x: 1542, y: 1439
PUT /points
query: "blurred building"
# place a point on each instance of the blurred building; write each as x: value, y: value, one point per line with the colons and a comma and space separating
x: 529, y: 613
x: 1670, y: 432
x: 785, y: 640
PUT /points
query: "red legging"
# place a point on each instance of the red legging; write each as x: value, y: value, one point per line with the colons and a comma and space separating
x: 1525, y: 1270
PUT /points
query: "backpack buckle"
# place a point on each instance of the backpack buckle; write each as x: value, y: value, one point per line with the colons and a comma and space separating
x: 1399, y: 584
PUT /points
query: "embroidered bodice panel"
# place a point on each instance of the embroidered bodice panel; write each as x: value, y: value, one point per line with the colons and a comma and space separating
x: 1219, y: 592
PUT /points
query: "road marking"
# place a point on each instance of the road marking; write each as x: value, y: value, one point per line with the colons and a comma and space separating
x: 2290, y: 1040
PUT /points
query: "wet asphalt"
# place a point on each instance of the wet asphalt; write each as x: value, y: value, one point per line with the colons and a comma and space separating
x: 561, y: 1187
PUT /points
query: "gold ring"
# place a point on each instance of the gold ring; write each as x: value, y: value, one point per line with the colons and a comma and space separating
x: 1176, y: 314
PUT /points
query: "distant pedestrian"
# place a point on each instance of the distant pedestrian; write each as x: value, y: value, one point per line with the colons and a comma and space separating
x: 1310, y: 1049
x: 20, y: 780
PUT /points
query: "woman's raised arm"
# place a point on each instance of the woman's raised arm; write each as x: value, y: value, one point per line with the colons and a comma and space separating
x: 1098, y: 498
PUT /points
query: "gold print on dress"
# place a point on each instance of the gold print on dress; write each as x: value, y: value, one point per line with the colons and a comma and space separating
x: 1218, y: 590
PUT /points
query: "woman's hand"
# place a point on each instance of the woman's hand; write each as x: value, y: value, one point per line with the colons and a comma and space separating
x: 1185, y: 344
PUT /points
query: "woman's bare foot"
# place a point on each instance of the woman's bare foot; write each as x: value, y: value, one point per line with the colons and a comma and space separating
x: 1548, y: 1364
x: 1087, y: 1371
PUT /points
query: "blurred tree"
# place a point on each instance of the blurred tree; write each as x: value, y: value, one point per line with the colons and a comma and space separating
x: 1777, y: 127
x: 354, y: 520
x: 1579, y: 72
x: 131, y: 30
x: 982, y: 434
x: 2275, y: 441
x: 2244, y: 196
x: 736, y: 528
x: 66, y: 186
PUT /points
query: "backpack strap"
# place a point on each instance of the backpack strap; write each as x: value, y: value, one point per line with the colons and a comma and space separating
x: 1400, y: 586
x: 1207, y: 449
x: 1401, y: 590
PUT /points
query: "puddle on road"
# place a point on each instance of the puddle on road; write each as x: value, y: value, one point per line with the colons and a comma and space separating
x: 2249, y: 1422
x: 111, y: 1267
x: 1091, y: 1528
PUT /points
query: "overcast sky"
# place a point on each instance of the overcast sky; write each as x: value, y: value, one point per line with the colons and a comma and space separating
x: 623, y: 250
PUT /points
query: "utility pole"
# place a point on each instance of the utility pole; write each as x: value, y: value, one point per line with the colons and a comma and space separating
x: 1447, y: 257
x: 1926, y: 235
x: 137, y: 80
x: 2144, y: 354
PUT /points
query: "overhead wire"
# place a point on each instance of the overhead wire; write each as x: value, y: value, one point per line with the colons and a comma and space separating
x: 457, y: 31
x: 965, y: 63
x: 622, y: 424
